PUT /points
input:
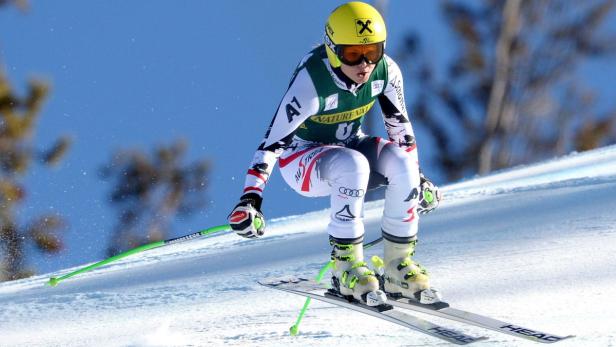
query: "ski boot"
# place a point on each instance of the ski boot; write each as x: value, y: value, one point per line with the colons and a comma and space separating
x: 351, y: 277
x: 399, y: 275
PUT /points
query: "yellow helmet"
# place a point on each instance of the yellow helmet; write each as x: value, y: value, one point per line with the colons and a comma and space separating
x: 354, y: 23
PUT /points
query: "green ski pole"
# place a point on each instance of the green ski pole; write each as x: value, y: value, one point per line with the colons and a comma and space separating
x: 53, y: 281
x: 294, y: 329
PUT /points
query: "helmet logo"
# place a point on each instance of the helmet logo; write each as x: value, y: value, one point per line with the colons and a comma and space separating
x: 330, y: 43
x: 362, y: 26
x: 329, y: 29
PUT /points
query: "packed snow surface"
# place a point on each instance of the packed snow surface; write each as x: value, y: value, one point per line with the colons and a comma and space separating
x: 534, y: 245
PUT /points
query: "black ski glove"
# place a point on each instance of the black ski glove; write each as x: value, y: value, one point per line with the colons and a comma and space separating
x: 246, y: 218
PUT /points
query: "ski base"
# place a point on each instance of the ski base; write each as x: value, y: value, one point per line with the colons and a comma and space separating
x: 309, y: 288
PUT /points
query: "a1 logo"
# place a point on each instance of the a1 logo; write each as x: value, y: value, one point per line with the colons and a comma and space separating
x: 291, y: 110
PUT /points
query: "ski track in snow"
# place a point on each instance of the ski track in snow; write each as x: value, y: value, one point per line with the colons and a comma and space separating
x: 534, y: 245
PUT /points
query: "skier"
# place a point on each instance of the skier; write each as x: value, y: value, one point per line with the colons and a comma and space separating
x: 315, y: 137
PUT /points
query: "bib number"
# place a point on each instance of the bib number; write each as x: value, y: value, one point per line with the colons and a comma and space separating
x: 344, y: 131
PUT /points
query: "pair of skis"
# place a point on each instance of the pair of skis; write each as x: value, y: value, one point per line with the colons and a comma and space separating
x: 391, y: 312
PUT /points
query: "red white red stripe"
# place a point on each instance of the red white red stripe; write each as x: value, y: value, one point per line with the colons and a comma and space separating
x: 286, y: 161
x: 257, y: 174
x: 253, y: 189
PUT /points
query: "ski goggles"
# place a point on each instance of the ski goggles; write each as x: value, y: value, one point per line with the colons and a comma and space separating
x: 354, y: 54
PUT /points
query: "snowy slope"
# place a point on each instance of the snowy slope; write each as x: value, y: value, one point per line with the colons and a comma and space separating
x: 534, y: 245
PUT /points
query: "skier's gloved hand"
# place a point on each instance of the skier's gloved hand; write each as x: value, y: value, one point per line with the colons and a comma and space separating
x: 246, y: 218
x: 429, y: 195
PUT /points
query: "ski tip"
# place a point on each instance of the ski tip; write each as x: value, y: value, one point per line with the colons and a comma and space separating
x: 552, y: 339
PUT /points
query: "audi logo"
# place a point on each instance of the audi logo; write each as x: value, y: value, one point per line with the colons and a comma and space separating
x: 354, y: 193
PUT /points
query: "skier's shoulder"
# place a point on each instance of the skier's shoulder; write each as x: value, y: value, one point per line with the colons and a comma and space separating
x: 310, y: 59
x: 316, y: 55
x: 392, y: 66
x: 301, y: 76
x: 302, y: 90
x: 389, y: 60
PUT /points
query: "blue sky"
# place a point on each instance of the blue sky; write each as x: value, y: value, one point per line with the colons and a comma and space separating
x: 134, y: 74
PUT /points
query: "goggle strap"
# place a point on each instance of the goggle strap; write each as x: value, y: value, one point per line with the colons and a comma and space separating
x: 330, y: 43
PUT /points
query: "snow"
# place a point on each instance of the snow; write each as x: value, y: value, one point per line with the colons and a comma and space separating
x: 533, y: 245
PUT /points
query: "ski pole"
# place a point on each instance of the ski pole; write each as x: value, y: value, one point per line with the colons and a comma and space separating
x: 53, y: 281
x: 294, y: 329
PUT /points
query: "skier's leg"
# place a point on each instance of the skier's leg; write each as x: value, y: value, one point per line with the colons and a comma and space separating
x: 347, y: 172
x: 343, y: 174
x: 400, y: 219
x: 401, y: 176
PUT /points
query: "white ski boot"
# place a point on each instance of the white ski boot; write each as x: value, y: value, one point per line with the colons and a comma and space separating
x: 351, y: 275
x: 402, y: 277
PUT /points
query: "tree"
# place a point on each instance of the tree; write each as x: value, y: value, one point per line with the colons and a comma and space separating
x: 18, y: 116
x: 511, y: 94
x: 21, y: 4
x: 150, y: 191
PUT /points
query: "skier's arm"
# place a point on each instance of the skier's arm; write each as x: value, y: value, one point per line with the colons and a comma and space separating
x: 400, y: 131
x: 299, y: 102
x: 393, y: 107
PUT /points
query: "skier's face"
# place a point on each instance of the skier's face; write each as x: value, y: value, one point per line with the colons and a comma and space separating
x: 358, y: 73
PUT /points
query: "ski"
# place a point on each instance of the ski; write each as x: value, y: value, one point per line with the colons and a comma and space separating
x: 309, y: 288
x: 444, y: 310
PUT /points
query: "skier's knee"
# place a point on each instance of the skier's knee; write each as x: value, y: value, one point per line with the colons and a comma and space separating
x: 399, y: 167
x: 356, y: 163
x: 351, y: 163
